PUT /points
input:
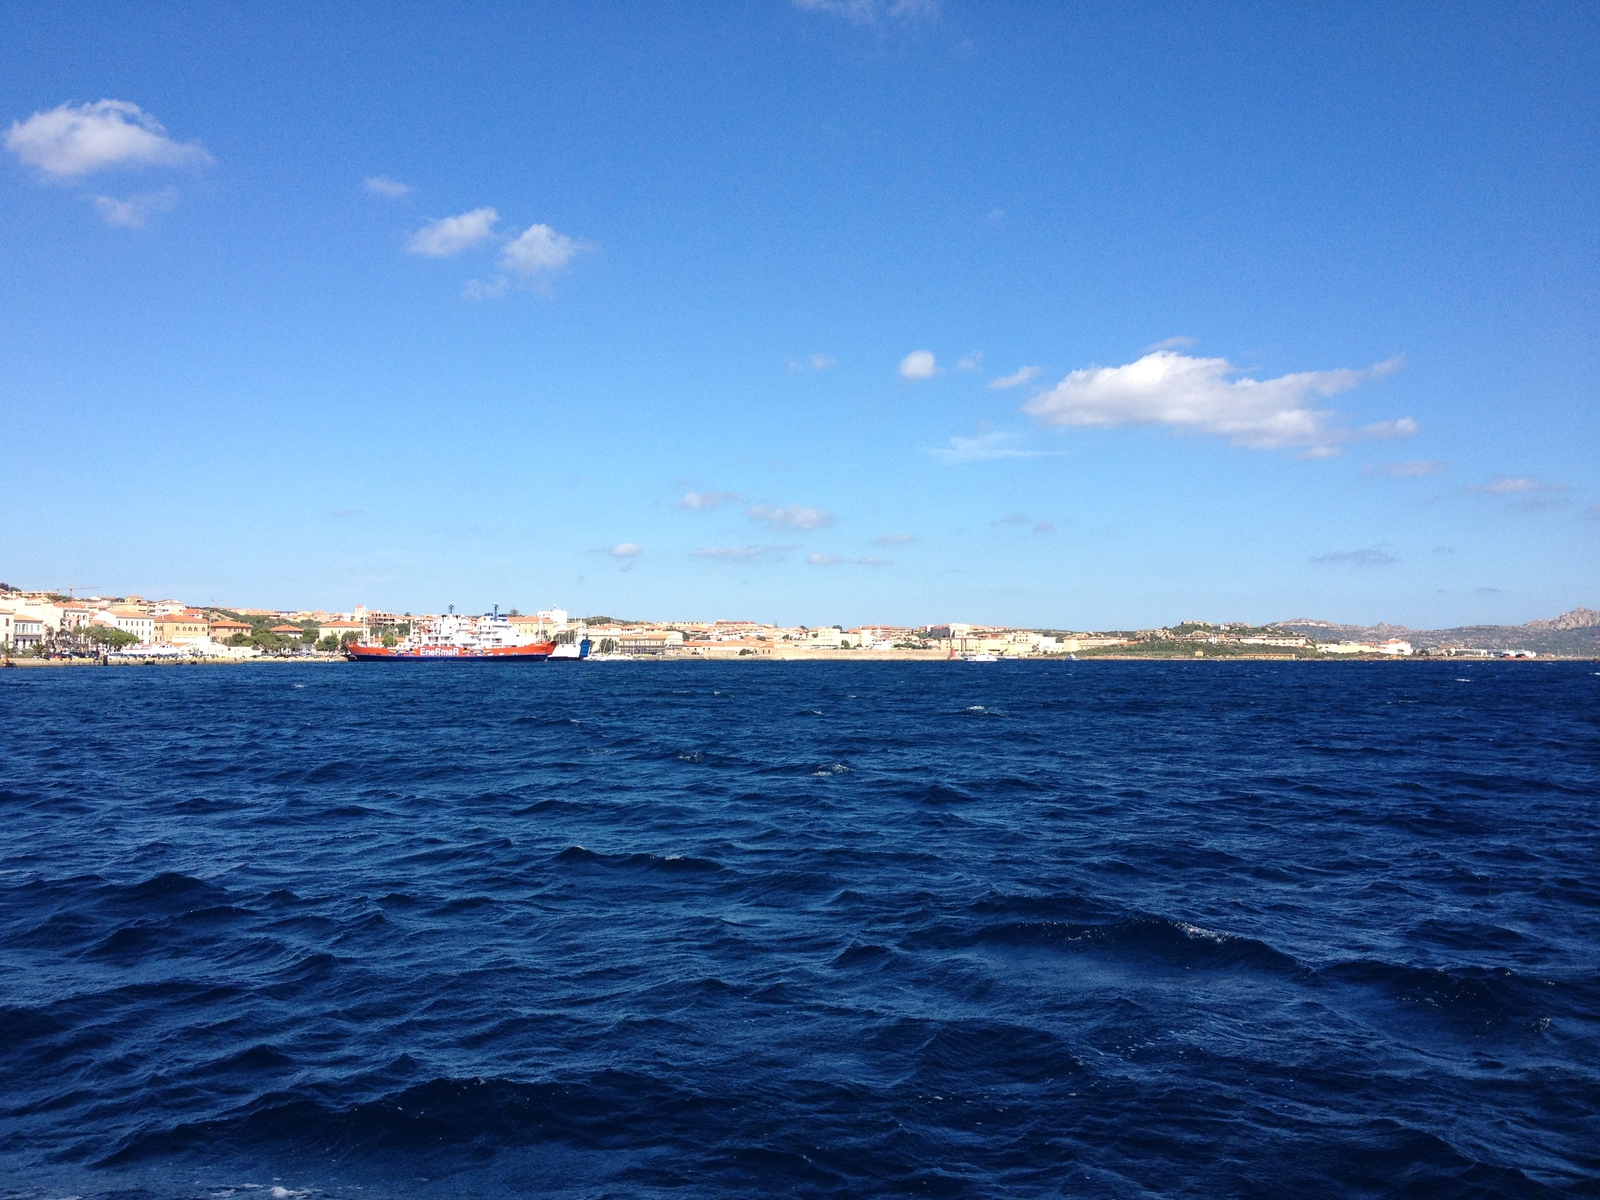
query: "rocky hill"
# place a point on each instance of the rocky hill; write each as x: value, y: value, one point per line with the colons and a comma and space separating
x: 1572, y: 633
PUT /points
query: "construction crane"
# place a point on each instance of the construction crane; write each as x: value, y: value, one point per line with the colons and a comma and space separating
x: 77, y: 587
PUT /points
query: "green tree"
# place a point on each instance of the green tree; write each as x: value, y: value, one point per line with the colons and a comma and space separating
x: 105, y: 635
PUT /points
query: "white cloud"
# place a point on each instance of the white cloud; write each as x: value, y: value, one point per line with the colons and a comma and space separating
x: 737, y: 553
x: 789, y: 516
x: 1172, y: 343
x: 1502, y: 486
x: 485, y: 289
x: 994, y: 444
x: 833, y: 560
x: 1370, y: 556
x: 1016, y: 379
x: 1404, y: 427
x: 1412, y: 469
x: 1203, y: 395
x: 894, y: 539
x: 538, y: 251
x: 865, y: 12
x: 78, y: 139
x: 919, y: 364
x: 136, y: 210
x: 700, y: 501
x: 970, y: 362
x: 626, y: 550
x: 814, y: 362
x: 392, y: 188
x: 452, y: 235
x: 1044, y: 526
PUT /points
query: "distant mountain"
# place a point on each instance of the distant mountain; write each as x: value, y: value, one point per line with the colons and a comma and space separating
x: 1575, y: 633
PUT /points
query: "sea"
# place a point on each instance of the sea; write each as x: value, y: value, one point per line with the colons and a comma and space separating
x: 643, y: 929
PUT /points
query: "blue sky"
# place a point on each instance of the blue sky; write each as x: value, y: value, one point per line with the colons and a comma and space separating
x: 1094, y: 316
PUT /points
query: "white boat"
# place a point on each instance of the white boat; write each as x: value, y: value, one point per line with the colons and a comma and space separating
x: 979, y: 658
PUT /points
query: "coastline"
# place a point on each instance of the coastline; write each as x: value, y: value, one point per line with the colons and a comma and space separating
x: 926, y: 656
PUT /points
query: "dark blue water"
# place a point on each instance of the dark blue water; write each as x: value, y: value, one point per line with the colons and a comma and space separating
x: 1098, y: 929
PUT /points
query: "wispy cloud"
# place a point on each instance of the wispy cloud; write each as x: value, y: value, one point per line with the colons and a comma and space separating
x: 834, y: 560
x: 73, y: 140
x: 136, y: 211
x: 970, y: 362
x: 894, y: 539
x: 919, y: 364
x: 1411, y: 469
x: 789, y: 516
x: 701, y: 501
x: 626, y: 550
x: 393, y: 189
x: 486, y: 289
x: 1011, y: 518
x: 994, y: 444
x: 1501, y: 485
x: 813, y: 362
x: 451, y: 235
x: 1044, y: 526
x: 739, y: 553
x: 1172, y: 343
x: 1209, y: 396
x: 867, y: 12
x: 1016, y: 379
x: 1524, y: 493
x: 1370, y: 556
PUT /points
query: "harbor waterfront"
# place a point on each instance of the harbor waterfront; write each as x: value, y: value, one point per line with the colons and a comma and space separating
x: 46, y: 627
x: 1058, y: 928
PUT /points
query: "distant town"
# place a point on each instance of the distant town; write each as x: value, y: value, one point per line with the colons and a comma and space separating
x: 46, y: 626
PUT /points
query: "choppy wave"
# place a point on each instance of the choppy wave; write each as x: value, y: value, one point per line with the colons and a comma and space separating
x: 721, y: 930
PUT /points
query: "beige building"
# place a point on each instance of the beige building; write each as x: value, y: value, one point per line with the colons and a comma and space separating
x: 727, y: 648
x: 223, y: 628
x: 337, y: 629
x: 182, y: 627
x: 532, y: 629
x: 649, y: 641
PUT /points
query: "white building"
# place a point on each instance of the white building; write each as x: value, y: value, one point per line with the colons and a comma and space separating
x: 142, y: 625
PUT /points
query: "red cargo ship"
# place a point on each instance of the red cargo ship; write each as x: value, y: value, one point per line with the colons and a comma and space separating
x: 486, y: 638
